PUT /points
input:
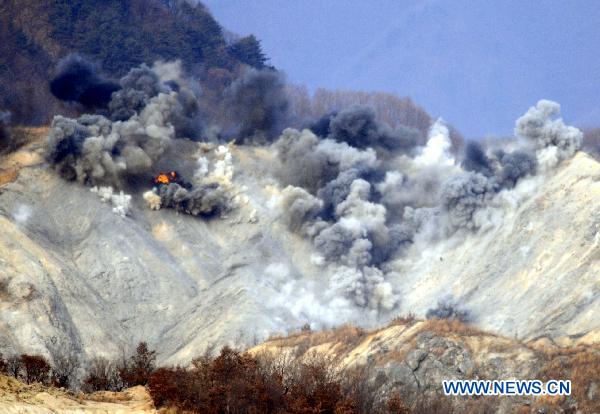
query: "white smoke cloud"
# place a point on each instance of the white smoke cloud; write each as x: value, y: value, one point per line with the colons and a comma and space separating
x: 121, y: 202
x: 437, y: 150
x: 22, y: 213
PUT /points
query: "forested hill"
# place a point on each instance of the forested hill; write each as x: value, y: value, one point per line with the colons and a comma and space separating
x: 118, y: 34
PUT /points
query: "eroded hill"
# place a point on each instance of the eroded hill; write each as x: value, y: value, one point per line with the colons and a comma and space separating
x: 78, y: 277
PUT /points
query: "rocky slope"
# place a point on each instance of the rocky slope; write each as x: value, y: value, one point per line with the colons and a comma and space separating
x: 534, y: 271
x: 76, y: 276
x: 409, y: 358
x: 413, y: 357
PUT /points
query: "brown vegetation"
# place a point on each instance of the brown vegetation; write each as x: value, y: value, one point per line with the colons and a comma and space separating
x: 235, y: 382
x: 104, y: 375
x: 582, y: 368
x: 305, y: 373
x: 35, y: 369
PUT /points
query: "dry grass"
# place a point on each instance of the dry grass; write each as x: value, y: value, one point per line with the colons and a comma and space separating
x: 582, y: 367
x: 18, y: 156
x: 108, y: 396
x: 347, y: 335
x: 8, y: 176
x: 446, y: 327
x: 408, y: 320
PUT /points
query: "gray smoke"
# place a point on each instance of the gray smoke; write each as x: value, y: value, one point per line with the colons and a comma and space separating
x: 202, y: 200
x: 365, y: 201
x: 448, y: 308
x: 93, y: 150
x: 514, y: 166
x: 300, y: 207
x: 363, y: 193
x: 137, y: 88
x: 311, y: 163
x: 151, y: 107
x: 257, y: 103
x: 142, y: 84
x: 476, y: 160
x: 464, y: 194
x: 358, y: 127
x: 542, y: 126
x: 79, y: 80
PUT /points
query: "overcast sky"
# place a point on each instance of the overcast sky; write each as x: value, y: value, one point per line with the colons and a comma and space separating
x: 477, y: 64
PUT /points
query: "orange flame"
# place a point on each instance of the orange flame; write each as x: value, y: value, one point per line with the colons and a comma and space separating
x: 165, y: 178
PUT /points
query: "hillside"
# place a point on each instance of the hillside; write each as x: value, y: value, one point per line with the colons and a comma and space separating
x: 19, y: 398
x: 118, y: 35
x: 78, y: 277
x: 413, y: 357
x: 409, y: 358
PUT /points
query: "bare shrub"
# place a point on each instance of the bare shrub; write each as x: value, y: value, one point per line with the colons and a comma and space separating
x: 409, y: 320
x: 64, y: 370
x: 13, y: 366
x: 137, y: 370
x: 102, y: 375
x: 35, y: 369
x: 235, y: 382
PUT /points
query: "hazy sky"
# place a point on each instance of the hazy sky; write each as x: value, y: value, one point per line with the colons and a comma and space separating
x: 477, y: 64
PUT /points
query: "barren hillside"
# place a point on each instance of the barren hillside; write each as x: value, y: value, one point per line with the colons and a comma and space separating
x: 77, y: 276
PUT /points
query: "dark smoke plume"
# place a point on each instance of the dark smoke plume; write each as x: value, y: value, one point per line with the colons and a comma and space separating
x: 366, y: 195
x: 94, y: 150
x: 358, y: 127
x: 320, y: 127
x: 449, y: 309
x: 137, y: 87
x: 514, y: 166
x: 144, y: 83
x: 202, y: 200
x: 79, y: 80
x: 475, y: 159
x: 258, y: 104
x: 463, y: 195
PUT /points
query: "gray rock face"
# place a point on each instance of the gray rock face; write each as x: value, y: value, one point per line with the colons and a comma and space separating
x: 74, y: 275
x: 412, y: 359
x: 534, y: 268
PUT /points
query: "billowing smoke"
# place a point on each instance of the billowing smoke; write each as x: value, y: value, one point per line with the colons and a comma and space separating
x: 211, y: 193
x: 206, y: 200
x: 448, y: 308
x: 93, y: 150
x: 476, y: 160
x: 79, y: 80
x: 357, y: 127
x: 311, y: 163
x: 300, y: 206
x: 463, y: 195
x: 258, y: 104
x: 142, y: 84
x: 121, y: 202
x: 545, y: 130
x: 365, y: 195
x: 137, y: 88
x: 146, y: 111
x: 5, y: 135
